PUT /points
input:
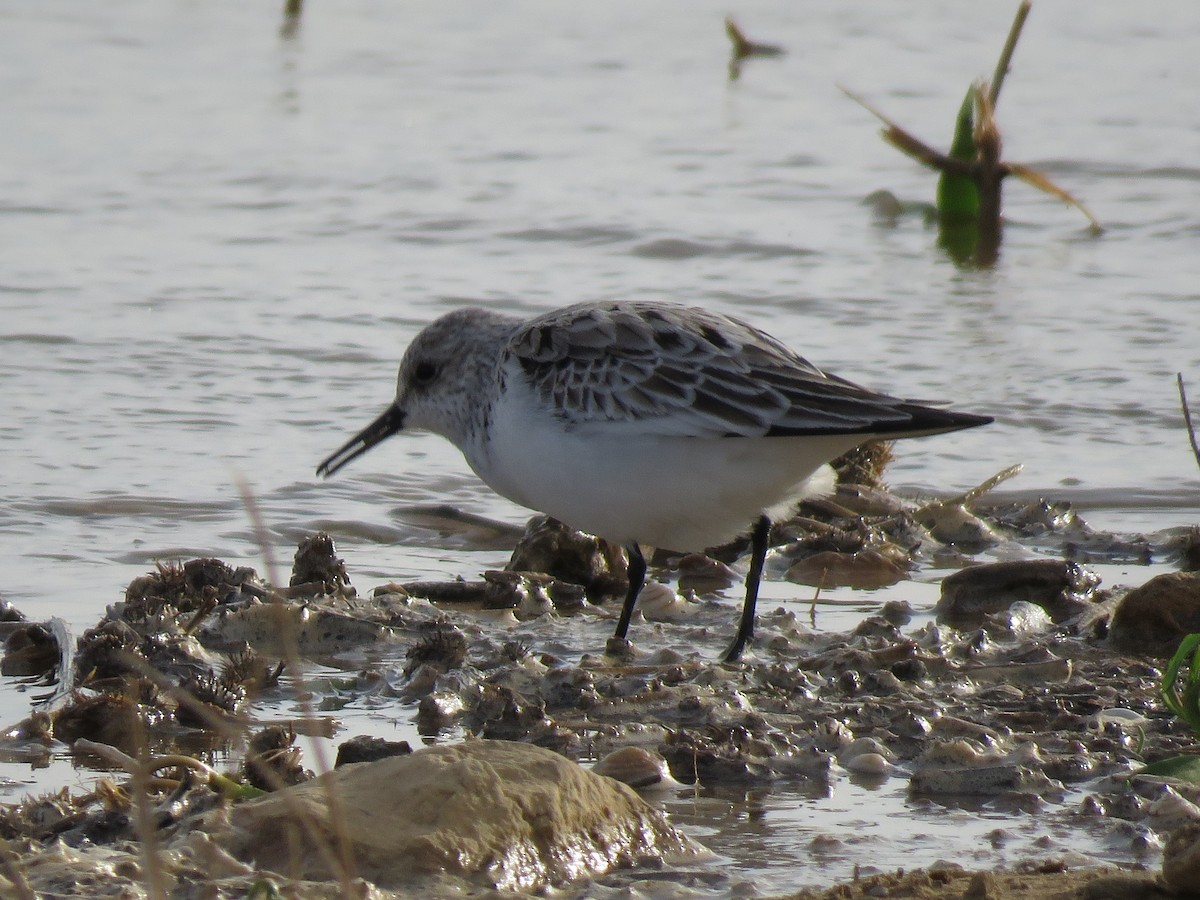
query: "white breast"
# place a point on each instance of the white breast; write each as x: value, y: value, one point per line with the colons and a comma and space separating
x: 673, y: 492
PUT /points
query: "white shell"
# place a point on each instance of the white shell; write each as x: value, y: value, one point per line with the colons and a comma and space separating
x: 658, y: 603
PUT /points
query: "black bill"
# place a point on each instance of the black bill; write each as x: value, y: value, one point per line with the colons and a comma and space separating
x: 391, y: 421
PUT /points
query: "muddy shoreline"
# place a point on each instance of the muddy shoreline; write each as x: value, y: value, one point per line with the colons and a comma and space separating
x: 1029, y: 693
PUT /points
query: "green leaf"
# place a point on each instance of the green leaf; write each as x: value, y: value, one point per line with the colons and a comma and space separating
x: 1185, y: 704
x: 957, y: 195
x: 233, y: 790
x: 1183, y: 768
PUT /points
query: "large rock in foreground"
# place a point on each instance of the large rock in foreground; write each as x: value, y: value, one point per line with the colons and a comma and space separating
x: 507, y: 815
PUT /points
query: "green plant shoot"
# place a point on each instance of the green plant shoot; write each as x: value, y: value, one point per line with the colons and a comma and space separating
x: 958, y: 195
x: 1184, y: 703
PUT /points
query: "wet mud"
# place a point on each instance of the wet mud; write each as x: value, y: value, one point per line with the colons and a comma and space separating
x: 1034, y: 689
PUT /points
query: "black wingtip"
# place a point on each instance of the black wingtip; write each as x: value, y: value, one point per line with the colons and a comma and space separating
x: 932, y: 420
x: 915, y: 420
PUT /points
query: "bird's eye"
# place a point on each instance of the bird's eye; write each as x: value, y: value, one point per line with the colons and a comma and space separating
x: 424, y: 372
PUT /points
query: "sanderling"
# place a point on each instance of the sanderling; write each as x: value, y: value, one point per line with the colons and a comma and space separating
x: 647, y: 424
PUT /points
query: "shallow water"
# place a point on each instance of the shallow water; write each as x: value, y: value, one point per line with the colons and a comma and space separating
x: 217, y: 238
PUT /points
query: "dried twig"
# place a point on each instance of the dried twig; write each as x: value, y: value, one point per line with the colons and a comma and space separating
x: 11, y: 867
x: 1187, y: 418
x: 1036, y: 179
x: 148, y: 839
x: 340, y: 856
x: 1002, y: 64
x: 909, y: 144
x: 744, y: 47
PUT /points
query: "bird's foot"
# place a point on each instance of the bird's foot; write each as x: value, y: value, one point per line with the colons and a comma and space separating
x: 734, y: 652
x: 620, y: 647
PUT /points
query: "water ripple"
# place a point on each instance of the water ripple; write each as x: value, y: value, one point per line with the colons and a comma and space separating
x: 682, y: 249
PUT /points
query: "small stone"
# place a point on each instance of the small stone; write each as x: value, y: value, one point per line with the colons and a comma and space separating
x: 701, y: 573
x: 442, y: 646
x: 636, y: 767
x: 273, y: 761
x: 550, y: 547
x: 9, y: 613
x: 868, y: 764
x: 910, y: 669
x: 898, y: 612
x: 982, y: 887
x: 317, y: 570
x: 364, y: 748
x: 30, y: 650
x: 1181, y: 859
x: 1060, y: 587
x: 863, y: 569
x: 1156, y: 616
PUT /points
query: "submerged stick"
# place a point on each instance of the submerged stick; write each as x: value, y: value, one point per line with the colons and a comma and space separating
x: 291, y: 18
x: 744, y: 47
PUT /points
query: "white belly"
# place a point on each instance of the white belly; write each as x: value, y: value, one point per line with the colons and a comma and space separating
x: 673, y: 492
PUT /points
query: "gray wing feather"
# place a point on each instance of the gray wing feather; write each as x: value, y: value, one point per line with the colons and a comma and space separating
x: 688, y: 372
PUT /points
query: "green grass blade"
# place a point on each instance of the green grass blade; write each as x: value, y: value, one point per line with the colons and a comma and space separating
x: 1185, y: 704
x: 1184, y: 768
x: 957, y: 195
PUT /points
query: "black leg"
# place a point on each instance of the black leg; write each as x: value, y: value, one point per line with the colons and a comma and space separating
x: 758, y: 557
x: 637, y: 577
